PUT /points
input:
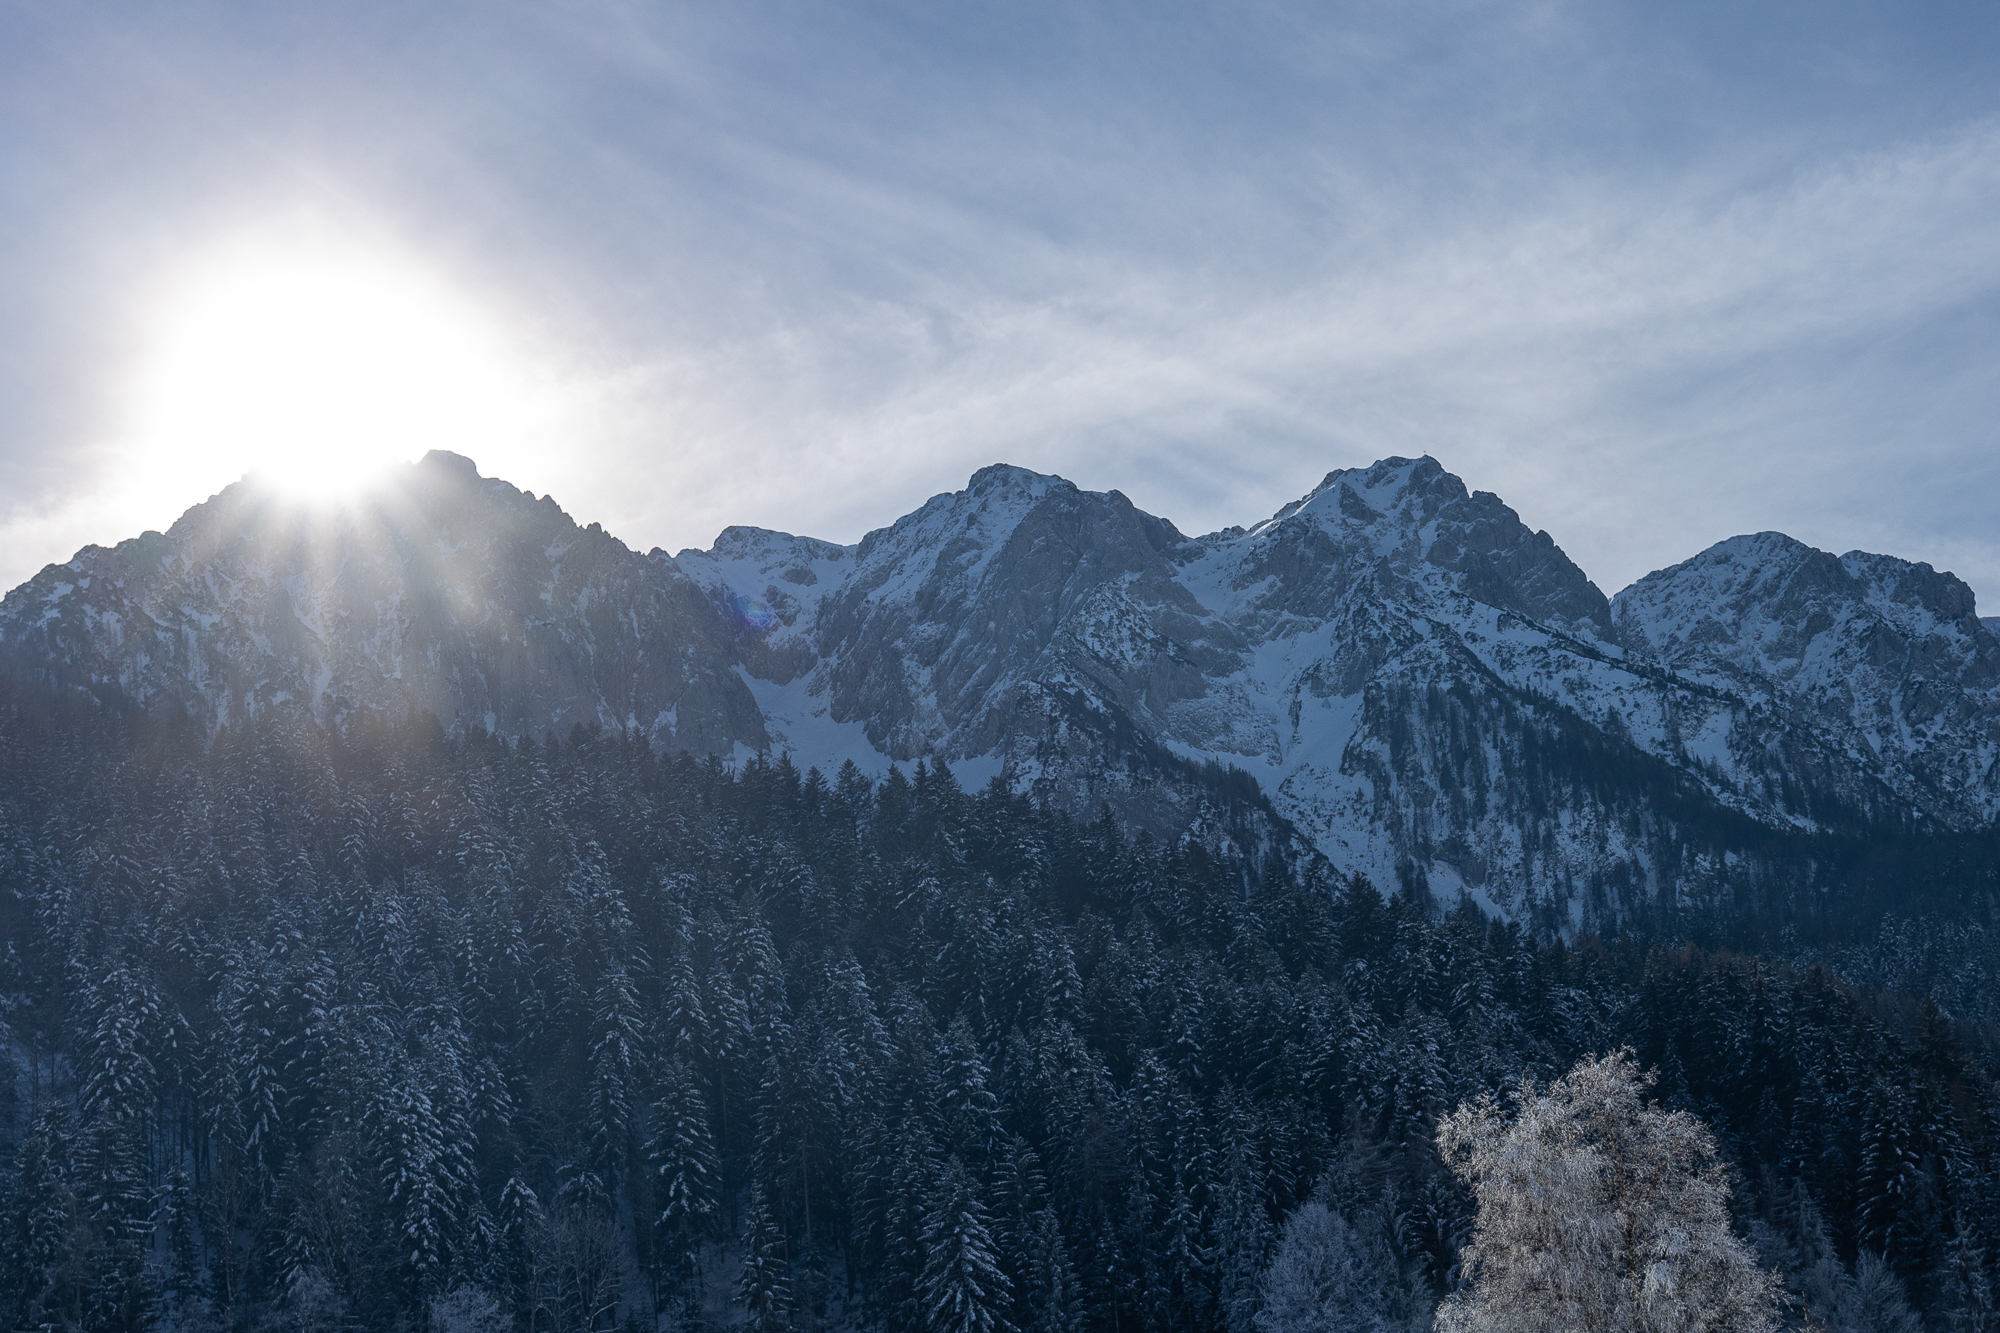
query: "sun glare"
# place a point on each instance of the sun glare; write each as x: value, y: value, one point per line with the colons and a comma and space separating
x: 314, y: 372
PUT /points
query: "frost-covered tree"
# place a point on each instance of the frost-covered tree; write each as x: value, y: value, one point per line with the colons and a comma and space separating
x: 1971, y: 1304
x: 46, y: 1267
x: 1053, y: 1299
x: 614, y: 1070
x: 971, y: 1111
x: 1883, y: 1305
x: 1324, y: 1278
x: 1598, y: 1210
x: 1243, y: 1234
x: 467, y: 1309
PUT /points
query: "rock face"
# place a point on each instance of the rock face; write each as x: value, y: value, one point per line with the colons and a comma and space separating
x: 448, y: 593
x: 1020, y: 628
x: 1391, y: 668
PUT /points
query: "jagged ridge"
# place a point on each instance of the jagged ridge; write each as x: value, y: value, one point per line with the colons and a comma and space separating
x: 1407, y: 675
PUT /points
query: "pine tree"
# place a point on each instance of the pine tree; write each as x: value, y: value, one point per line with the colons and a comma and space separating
x: 1889, y: 1184
x: 414, y: 1152
x: 175, y: 1220
x: 900, y: 1238
x: 47, y: 1240
x: 1968, y: 1293
x: 1243, y: 1232
x: 521, y: 1223
x: 1053, y: 1299
x: 112, y: 1188
x: 971, y: 1111
x: 1019, y: 1193
x: 685, y: 1030
x: 1184, y: 1256
x: 614, y: 1072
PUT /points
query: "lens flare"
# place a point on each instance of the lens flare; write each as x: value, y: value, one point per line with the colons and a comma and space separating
x: 754, y: 611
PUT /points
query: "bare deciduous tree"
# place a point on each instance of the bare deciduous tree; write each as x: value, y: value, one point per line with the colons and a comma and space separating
x: 1598, y: 1210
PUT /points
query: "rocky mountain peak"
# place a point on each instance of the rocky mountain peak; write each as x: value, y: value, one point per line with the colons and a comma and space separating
x: 748, y: 543
x: 1398, y: 518
x: 1768, y: 596
x: 1007, y: 477
x: 439, y: 591
x: 442, y: 463
x: 1391, y: 485
x: 1884, y: 655
x: 1368, y: 496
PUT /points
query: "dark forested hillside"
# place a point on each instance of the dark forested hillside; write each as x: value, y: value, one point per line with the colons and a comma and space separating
x: 393, y: 1029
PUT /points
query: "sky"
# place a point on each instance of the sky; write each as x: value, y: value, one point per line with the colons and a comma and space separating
x: 1655, y: 274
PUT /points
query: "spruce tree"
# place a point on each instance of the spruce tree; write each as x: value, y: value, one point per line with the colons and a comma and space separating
x: 686, y: 1175
x: 1052, y: 1299
x: 764, y: 1286
x: 1969, y: 1301
x: 961, y: 1289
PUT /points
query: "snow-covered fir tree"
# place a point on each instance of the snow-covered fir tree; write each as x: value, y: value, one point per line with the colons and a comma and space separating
x: 962, y: 1288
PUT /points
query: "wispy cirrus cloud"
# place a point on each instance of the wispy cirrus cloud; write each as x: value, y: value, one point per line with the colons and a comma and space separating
x: 1641, y: 371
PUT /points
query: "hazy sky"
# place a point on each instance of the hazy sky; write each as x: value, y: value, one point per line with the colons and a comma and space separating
x: 1655, y: 273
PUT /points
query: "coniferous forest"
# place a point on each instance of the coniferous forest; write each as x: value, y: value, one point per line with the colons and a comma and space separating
x: 394, y: 1029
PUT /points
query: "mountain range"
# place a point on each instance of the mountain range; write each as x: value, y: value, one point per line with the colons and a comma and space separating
x: 1392, y: 670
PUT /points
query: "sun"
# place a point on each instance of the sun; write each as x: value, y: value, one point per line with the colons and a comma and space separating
x: 313, y: 369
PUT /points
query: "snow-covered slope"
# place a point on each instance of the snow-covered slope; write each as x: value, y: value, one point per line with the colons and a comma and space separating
x: 1405, y: 674
x: 997, y: 629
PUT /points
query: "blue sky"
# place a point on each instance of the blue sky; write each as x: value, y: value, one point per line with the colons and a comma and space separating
x: 1657, y: 274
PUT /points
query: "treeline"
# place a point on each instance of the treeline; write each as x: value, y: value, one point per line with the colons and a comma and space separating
x: 364, y: 1031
